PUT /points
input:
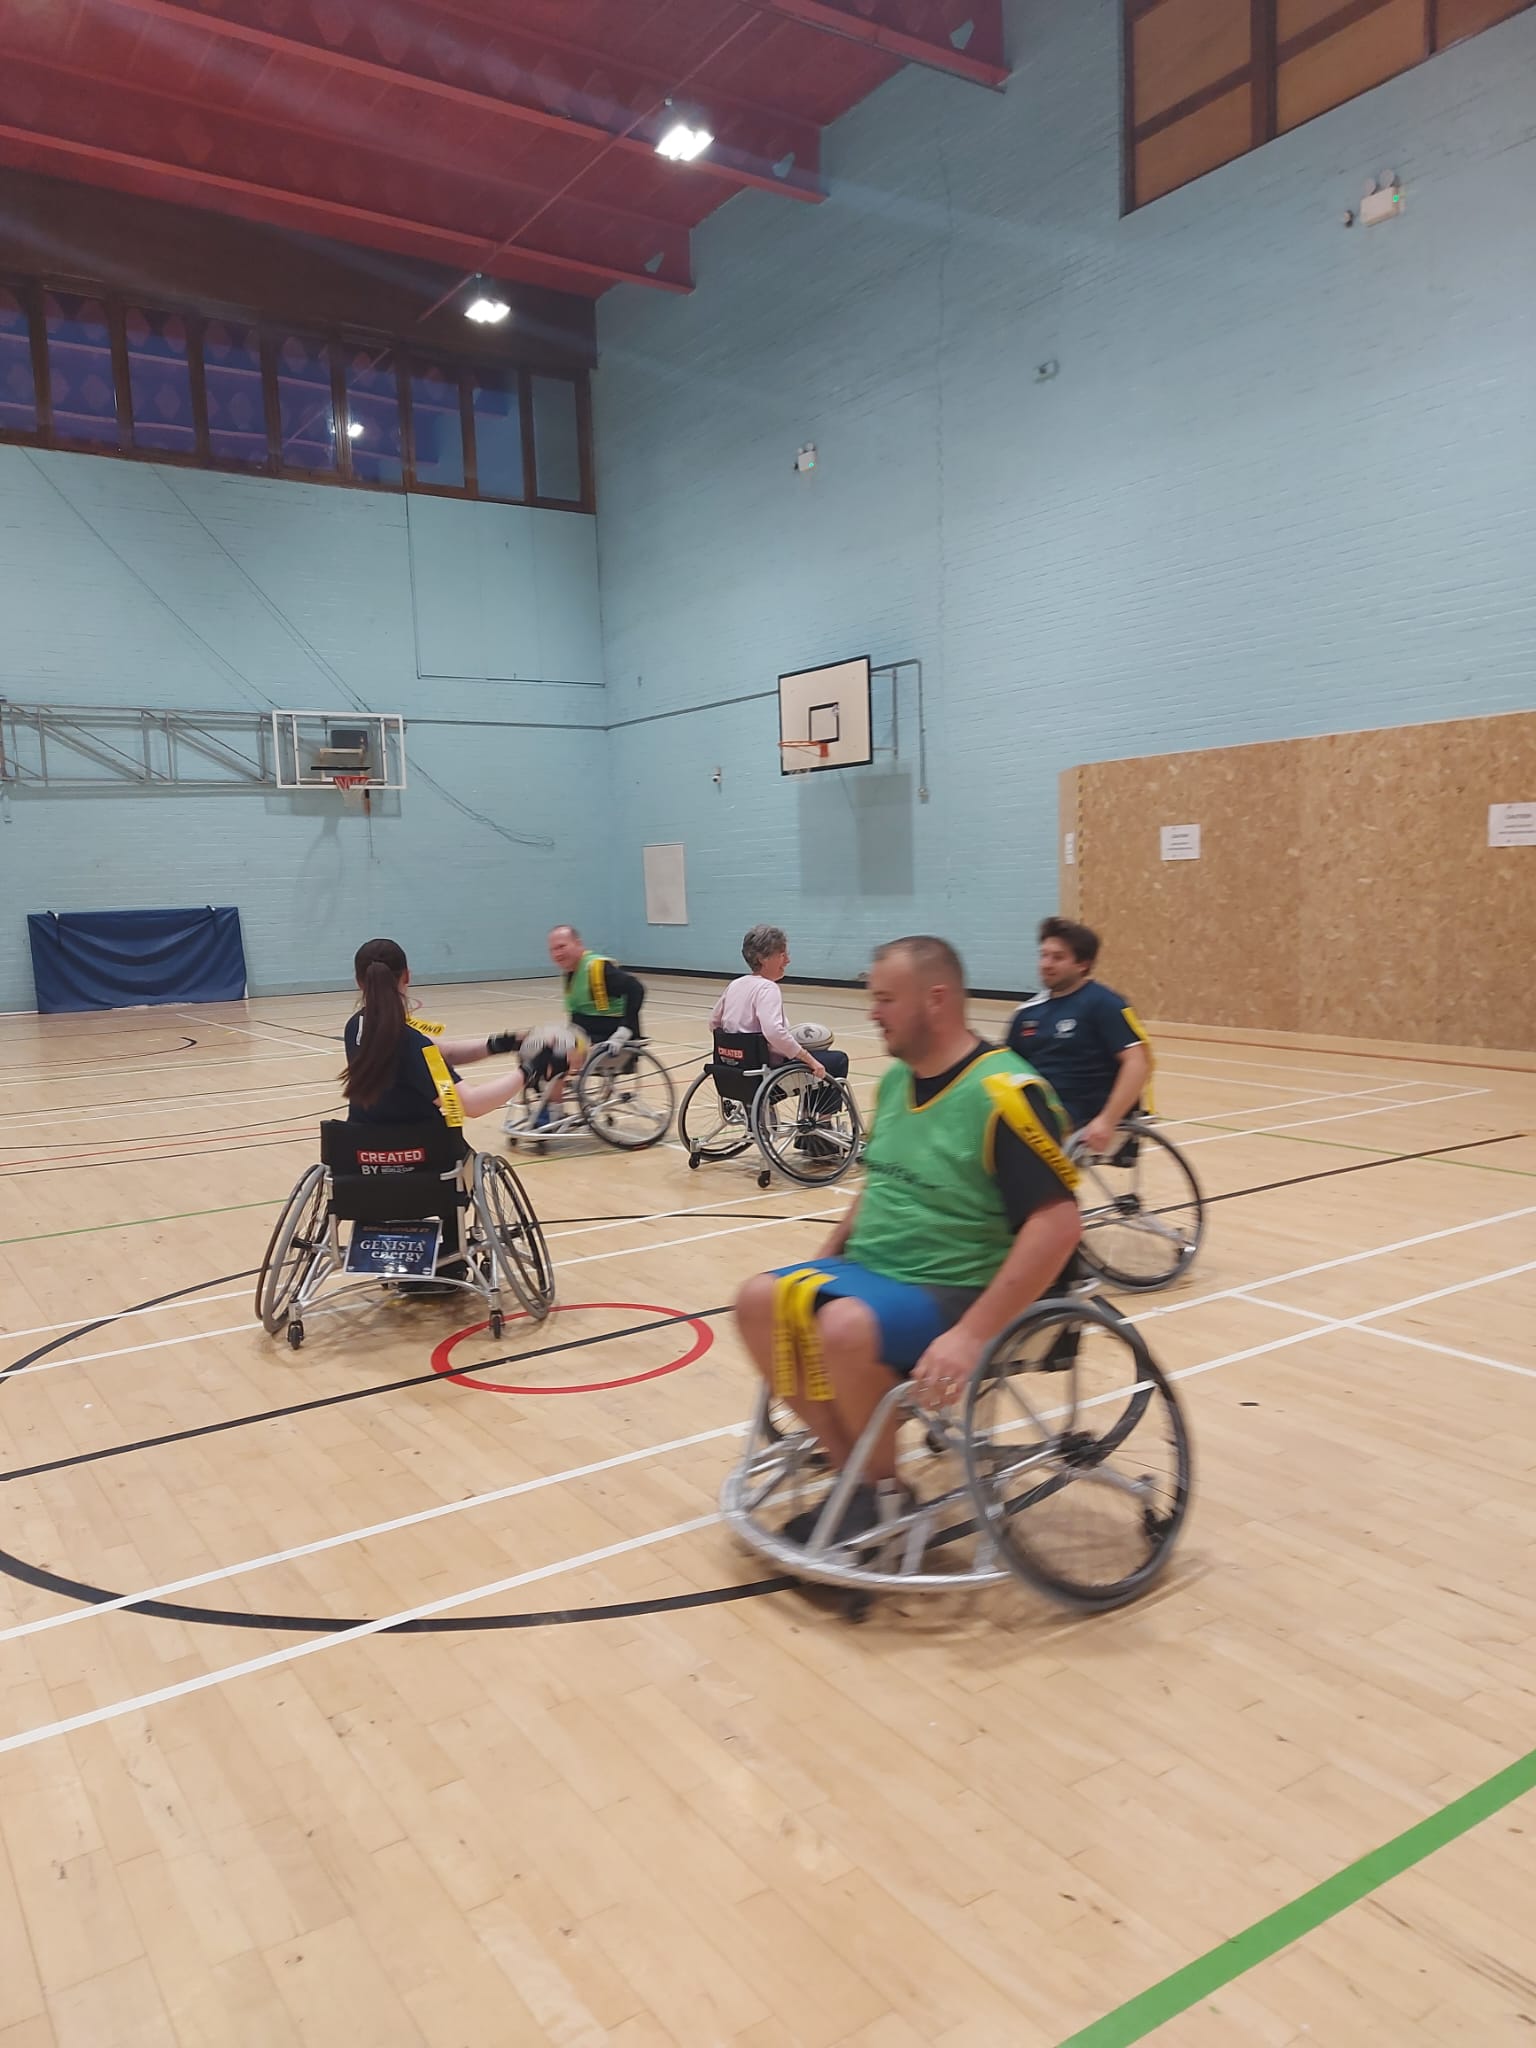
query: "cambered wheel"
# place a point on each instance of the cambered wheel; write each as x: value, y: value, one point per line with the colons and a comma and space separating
x: 710, y: 1124
x: 511, y: 1229
x: 809, y: 1129
x: 1076, y: 1455
x: 626, y: 1097
x: 1143, y: 1213
x: 297, y: 1235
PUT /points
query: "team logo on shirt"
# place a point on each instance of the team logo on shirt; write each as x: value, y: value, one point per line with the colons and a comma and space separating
x: 1065, y: 1026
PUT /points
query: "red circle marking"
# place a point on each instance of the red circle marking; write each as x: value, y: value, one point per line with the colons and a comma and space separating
x: 703, y: 1337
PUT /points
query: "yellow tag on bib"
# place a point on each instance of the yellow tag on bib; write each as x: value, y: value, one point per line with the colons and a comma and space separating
x: 448, y: 1095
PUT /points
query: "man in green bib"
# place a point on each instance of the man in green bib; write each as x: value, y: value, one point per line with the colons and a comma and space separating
x: 967, y: 1216
x: 599, y: 995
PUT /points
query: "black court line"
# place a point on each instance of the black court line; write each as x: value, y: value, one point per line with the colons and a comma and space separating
x: 1365, y: 1165
x: 420, y: 1379
x: 48, y: 1076
x: 77, y: 1590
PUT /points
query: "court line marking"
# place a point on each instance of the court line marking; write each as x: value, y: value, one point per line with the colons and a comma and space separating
x: 320, y: 1307
x: 1346, y: 1116
x: 52, y: 1078
x: 147, y: 1105
x: 268, y: 1036
x: 1147, y: 2010
x: 323, y: 1543
x: 447, y: 1603
x: 1311, y: 1315
x: 237, y: 1293
x: 27, y: 1737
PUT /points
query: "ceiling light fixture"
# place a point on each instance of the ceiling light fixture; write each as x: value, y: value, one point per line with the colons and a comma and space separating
x: 487, y: 311
x: 682, y: 143
x: 354, y: 430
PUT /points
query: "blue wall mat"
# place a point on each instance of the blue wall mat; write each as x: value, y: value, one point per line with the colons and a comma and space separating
x: 118, y: 959
x: 127, y: 583
x: 1281, y: 481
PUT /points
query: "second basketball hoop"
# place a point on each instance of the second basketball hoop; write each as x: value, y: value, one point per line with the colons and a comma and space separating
x: 824, y: 717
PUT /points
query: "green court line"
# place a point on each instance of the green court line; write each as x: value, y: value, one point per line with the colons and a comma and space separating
x: 1159, y: 2003
x: 137, y: 1222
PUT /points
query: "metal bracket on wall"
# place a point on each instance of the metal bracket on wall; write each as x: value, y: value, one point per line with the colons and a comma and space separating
x: 892, y: 669
x: 112, y: 747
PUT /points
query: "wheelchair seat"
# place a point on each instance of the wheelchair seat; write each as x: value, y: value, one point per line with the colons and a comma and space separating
x: 372, y: 1177
x: 738, y: 1064
x: 385, y: 1173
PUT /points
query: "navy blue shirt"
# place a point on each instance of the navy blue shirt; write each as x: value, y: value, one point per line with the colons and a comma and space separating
x: 411, y: 1097
x: 1076, y: 1041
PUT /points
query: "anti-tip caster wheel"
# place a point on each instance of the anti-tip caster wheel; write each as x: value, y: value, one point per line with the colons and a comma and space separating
x: 693, y: 1162
x: 497, y: 1322
x: 765, y: 1179
x: 295, y: 1336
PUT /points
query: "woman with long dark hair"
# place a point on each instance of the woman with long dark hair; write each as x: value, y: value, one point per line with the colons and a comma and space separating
x: 388, y: 1079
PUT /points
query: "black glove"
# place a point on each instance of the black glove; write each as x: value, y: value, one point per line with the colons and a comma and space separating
x: 505, y: 1041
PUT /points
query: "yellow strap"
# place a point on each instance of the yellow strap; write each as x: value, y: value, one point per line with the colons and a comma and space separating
x: 1011, y: 1098
x: 448, y: 1095
x: 423, y: 1024
x: 1139, y: 1028
x: 597, y: 982
x: 798, y: 1361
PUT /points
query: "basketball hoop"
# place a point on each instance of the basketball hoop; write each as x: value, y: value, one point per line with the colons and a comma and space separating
x: 354, y: 790
x: 798, y: 757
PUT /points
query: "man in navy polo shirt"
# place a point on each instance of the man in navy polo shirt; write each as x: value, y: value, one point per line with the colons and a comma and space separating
x: 1085, y: 1039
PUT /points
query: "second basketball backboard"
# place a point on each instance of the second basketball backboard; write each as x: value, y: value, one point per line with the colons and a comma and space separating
x: 824, y: 717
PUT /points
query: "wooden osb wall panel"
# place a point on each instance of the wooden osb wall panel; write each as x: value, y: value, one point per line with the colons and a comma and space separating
x: 1187, y: 148
x: 1184, y: 46
x: 1155, y: 916
x: 1459, y: 18
x: 1345, y: 885
x: 1350, y: 61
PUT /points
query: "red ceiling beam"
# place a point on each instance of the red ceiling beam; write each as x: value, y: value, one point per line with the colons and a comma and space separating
x: 893, y: 42
x: 154, y: 178
x: 723, y: 162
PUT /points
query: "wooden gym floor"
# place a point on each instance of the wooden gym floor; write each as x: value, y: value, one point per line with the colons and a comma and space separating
x: 619, y: 1791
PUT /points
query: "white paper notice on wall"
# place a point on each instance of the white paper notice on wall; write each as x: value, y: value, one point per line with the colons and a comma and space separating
x: 1512, y: 824
x: 1181, y: 842
x: 666, y: 887
x: 1069, y: 849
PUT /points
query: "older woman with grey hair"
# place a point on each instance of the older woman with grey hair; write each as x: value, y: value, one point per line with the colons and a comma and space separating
x: 753, y: 1002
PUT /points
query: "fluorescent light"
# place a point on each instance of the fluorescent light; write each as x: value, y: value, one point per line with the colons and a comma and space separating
x: 487, y: 311
x: 354, y: 430
x: 682, y: 143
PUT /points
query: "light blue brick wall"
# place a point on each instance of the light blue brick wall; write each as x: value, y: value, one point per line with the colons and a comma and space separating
x: 124, y: 583
x: 1283, y: 483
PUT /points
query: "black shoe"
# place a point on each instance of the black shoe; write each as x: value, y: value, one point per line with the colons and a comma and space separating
x: 865, y: 1509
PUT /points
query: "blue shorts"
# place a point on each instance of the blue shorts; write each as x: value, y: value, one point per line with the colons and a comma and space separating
x: 909, y: 1316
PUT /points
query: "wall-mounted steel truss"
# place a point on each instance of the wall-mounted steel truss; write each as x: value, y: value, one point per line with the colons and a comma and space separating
x: 104, y: 747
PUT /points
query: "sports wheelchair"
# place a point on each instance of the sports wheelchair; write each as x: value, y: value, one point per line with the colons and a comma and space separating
x: 621, y: 1094
x: 1143, y: 1212
x: 809, y: 1129
x: 1065, y: 1464
x: 403, y: 1208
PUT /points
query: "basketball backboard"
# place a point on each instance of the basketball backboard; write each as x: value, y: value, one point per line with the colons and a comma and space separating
x: 824, y: 717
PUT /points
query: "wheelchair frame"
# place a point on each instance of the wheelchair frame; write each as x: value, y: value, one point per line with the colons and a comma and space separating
x: 777, y: 1467
x: 599, y: 1100
x: 1109, y: 1212
x: 757, y: 1123
x: 504, y: 1249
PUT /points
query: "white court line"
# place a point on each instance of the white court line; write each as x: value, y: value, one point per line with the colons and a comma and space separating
x: 1365, y: 1322
x: 449, y: 1507
x: 187, y: 1065
x: 146, y: 1105
x: 265, y: 1036
x: 1260, y: 1108
x: 288, y: 1655
x: 159, y: 1308
x: 291, y: 1653
x: 1305, y: 1123
x: 633, y: 1251
x: 1403, y: 1244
